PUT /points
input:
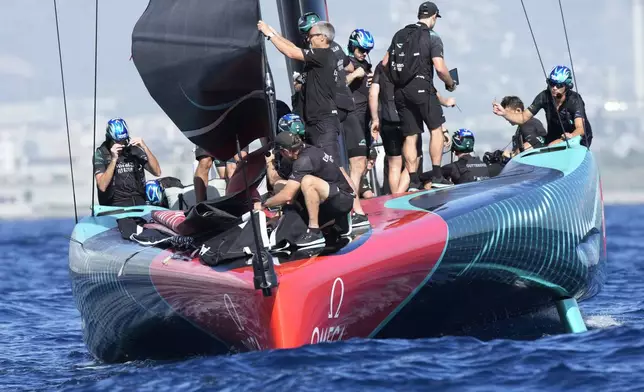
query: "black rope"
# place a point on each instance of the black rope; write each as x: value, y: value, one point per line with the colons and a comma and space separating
x: 62, y: 79
x: 95, y: 84
x: 572, y: 66
x: 545, y: 75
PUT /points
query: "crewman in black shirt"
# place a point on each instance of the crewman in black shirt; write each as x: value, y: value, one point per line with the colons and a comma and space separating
x: 414, y: 53
x: 319, y: 91
x: 530, y: 134
x: 356, y: 128
x: 467, y: 168
x: 386, y: 123
x: 325, y: 187
x: 565, y: 109
x: 118, y: 167
x: 343, y: 97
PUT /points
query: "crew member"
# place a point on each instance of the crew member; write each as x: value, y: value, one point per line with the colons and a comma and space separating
x: 467, y: 168
x: 320, y: 111
x: 325, y: 187
x: 356, y: 128
x: 529, y: 135
x: 279, y: 166
x: 415, y: 94
x: 343, y: 97
x: 386, y: 123
x: 565, y: 109
x: 118, y: 167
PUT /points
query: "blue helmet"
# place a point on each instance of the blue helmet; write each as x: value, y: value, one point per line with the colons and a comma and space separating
x: 154, y: 192
x: 307, y: 21
x: 560, y: 74
x: 117, y: 130
x: 362, y: 39
x: 463, y: 140
x: 291, y: 123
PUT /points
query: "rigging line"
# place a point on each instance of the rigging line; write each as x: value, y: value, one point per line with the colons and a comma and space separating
x: 95, y: 84
x: 62, y: 79
x: 572, y: 66
x: 545, y: 75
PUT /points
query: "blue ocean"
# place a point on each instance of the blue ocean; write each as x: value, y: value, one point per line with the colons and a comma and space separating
x: 41, y: 347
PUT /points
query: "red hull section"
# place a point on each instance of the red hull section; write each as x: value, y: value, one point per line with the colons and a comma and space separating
x: 326, y: 298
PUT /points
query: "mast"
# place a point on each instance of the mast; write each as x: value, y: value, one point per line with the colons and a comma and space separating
x: 289, y: 12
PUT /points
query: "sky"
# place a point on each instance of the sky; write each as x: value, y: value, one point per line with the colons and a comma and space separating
x: 488, y: 40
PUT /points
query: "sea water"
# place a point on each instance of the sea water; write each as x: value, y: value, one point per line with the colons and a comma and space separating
x: 41, y: 346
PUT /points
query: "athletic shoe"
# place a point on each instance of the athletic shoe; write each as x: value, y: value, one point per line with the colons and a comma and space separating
x: 310, y: 238
x: 441, y: 183
x: 359, y: 220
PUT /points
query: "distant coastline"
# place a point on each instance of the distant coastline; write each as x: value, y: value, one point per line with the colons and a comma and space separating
x: 13, y: 214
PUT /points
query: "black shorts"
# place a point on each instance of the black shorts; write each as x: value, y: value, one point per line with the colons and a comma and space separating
x: 324, y: 134
x: 338, y: 203
x: 392, y: 138
x: 416, y: 105
x: 357, y: 133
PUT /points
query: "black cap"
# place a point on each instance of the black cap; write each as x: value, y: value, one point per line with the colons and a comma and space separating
x: 428, y: 9
x: 287, y: 140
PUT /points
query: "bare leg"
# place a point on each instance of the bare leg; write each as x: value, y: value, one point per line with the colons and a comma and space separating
x: 436, y: 142
x: 315, y: 191
x: 357, y: 207
x: 201, y: 178
x: 395, y: 168
x: 403, y: 184
x: 358, y: 168
x: 410, y: 153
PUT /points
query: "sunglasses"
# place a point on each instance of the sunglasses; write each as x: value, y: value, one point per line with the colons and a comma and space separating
x: 556, y: 85
x: 310, y: 36
x: 365, y: 51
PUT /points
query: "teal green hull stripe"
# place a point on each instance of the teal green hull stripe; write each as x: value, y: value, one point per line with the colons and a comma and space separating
x: 566, y: 161
x: 402, y: 202
x: 525, y: 275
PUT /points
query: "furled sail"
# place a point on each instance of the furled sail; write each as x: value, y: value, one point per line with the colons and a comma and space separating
x: 202, y: 61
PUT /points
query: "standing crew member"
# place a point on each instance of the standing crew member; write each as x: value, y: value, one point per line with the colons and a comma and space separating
x: 565, y: 109
x: 356, y: 128
x: 412, y: 56
x: 319, y: 108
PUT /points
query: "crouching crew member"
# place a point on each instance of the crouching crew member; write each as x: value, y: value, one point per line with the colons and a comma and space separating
x: 119, y: 164
x: 326, y: 189
x: 467, y: 168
